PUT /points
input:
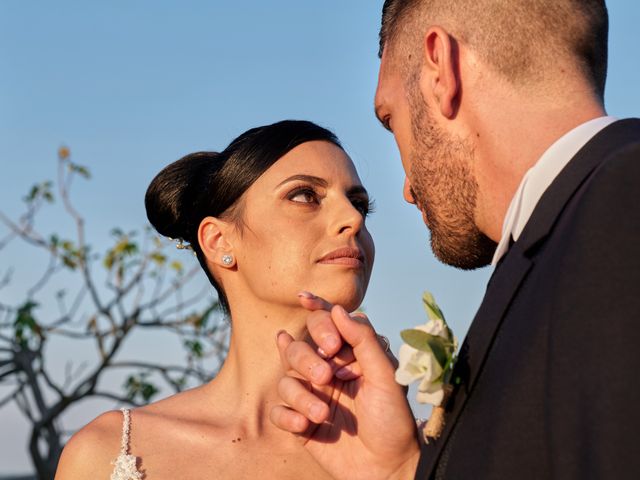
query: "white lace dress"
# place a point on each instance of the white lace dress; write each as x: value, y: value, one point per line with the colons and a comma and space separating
x: 125, y: 467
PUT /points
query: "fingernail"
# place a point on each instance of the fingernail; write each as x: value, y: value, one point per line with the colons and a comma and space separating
x: 331, y: 342
x: 305, y: 294
x: 315, y: 412
x: 301, y: 423
x: 317, y: 371
x: 279, y: 333
x: 345, y: 373
x: 344, y: 312
x: 322, y: 353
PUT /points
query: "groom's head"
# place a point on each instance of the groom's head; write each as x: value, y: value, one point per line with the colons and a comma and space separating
x: 461, y: 82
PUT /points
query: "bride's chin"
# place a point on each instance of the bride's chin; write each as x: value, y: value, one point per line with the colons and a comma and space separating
x: 349, y: 298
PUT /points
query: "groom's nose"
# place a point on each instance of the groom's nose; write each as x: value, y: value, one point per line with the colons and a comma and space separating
x: 407, y: 192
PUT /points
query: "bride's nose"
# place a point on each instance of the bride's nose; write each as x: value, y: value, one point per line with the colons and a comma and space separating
x: 347, y: 219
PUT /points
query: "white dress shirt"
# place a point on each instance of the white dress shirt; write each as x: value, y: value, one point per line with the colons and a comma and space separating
x: 540, y: 176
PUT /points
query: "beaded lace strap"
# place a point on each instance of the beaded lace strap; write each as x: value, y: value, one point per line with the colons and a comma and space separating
x: 125, y: 466
x: 126, y: 427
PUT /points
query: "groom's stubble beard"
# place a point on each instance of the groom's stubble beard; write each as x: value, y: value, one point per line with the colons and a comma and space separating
x: 445, y: 190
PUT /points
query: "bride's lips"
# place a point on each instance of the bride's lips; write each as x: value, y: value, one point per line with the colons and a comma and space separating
x: 348, y: 256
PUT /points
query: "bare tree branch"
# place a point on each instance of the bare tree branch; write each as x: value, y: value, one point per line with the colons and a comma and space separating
x: 28, y: 236
x: 50, y: 270
x: 143, y: 290
x: 7, y: 239
x: 6, y: 279
x: 9, y: 398
x: 117, y: 398
x: 23, y: 404
x: 43, y: 372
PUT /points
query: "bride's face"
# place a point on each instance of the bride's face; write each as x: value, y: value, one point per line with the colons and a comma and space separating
x: 304, y: 229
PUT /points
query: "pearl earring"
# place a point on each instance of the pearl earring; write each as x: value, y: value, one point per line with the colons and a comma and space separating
x: 227, y: 260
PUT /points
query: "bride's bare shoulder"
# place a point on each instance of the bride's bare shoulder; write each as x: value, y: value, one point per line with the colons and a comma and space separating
x: 89, y: 453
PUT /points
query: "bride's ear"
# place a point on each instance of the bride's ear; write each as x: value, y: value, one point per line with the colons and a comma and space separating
x: 216, y: 241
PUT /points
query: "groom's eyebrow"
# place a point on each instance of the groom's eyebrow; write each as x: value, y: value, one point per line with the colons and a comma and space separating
x: 321, y: 182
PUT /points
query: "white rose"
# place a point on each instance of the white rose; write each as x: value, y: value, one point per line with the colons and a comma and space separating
x: 415, y: 364
x: 435, y: 327
x: 433, y: 393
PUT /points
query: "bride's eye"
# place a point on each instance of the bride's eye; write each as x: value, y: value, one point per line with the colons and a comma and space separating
x: 303, y: 195
x: 365, y: 206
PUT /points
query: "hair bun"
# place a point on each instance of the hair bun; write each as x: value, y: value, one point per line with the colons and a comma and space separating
x: 167, y: 201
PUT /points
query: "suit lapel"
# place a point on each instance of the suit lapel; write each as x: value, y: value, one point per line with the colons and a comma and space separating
x: 503, y: 286
x: 511, y: 272
x: 622, y: 132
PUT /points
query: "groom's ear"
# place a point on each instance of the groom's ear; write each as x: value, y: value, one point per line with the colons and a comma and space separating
x: 439, y: 79
x: 216, y: 238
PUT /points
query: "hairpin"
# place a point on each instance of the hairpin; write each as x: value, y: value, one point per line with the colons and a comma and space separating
x: 180, y: 245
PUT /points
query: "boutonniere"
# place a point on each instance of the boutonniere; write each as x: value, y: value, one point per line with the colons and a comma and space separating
x: 428, y: 355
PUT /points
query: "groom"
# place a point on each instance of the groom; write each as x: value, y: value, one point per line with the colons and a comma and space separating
x: 497, y: 110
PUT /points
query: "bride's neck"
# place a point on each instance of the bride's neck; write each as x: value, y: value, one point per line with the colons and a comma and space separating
x: 249, y: 377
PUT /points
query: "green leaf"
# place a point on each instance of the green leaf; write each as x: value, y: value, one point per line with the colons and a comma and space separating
x: 69, y: 262
x: 180, y: 382
x: 425, y: 342
x: 158, y: 258
x: 195, y: 348
x: 138, y: 386
x: 431, y: 307
x: 200, y: 321
x: 32, y: 193
x: 25, y: 324
x: 109, y: 260
x: 80, y: 170
x: 40, y: 190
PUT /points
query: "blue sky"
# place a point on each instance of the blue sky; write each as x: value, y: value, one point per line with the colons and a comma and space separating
x: 132, y: 86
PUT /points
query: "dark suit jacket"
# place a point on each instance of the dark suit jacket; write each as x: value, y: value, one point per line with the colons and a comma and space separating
x: 549, y: 374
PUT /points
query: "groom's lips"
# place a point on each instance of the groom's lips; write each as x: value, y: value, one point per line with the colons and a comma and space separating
x: 424, y: 215
x: 348, y: 256
x: 424, y: 218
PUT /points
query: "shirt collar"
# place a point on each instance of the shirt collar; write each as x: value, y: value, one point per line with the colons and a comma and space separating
x: 540, y: 176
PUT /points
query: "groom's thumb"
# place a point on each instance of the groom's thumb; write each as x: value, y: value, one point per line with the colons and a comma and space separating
x: 357, y: 331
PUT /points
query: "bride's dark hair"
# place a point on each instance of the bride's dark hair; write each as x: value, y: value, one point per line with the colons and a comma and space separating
x: 205, y: 184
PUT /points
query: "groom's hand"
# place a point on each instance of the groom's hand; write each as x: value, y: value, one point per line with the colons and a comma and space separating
x: 343, y: 399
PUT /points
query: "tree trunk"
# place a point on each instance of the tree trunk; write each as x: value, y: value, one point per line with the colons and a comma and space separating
x: 45, y: 466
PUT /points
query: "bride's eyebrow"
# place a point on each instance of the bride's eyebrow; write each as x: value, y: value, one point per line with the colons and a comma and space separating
x: 358, y: 190
x: 321, y: 182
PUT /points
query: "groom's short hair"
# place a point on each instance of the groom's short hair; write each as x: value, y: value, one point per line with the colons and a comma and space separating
x: 516, y: 37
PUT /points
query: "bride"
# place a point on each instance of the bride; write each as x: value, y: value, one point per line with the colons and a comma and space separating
x: 279, y: 212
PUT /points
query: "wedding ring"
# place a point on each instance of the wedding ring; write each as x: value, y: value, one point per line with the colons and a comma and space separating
x: 385, y: 342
